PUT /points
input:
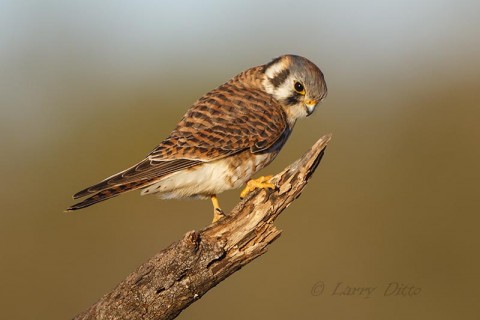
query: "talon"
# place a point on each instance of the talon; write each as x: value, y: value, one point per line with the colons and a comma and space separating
x: 260, y: 183
x: 217, y: 215
x: 217, y: 211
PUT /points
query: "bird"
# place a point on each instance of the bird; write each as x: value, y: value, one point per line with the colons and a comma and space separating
x: 224, y: 138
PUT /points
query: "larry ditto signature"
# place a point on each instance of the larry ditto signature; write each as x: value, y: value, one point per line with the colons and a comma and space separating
x: 342, y: 289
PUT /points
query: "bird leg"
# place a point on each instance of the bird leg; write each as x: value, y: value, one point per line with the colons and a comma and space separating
x: 260, y: 183
x: 217, y: 211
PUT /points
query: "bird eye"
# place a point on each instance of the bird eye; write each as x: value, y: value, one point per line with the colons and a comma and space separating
x: 299, y: 87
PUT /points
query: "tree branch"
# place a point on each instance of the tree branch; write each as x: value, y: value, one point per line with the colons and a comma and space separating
x: 182, y: 273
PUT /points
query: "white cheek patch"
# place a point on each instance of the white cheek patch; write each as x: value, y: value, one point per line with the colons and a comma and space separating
x: 272, y: 72
x: 275, y: 69
x: 283, y: 91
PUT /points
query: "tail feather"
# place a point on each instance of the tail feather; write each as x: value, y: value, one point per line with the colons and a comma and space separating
x: 144, y: 170
x: 102, y: 185
x: 110, y: 193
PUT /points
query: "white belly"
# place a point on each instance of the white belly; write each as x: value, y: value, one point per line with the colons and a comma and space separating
x: 209, y: 178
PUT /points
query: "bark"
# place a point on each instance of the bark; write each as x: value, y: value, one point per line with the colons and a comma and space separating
x: 182, y: 273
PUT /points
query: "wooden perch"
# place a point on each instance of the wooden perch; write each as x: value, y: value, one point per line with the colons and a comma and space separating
x: 182, y: 273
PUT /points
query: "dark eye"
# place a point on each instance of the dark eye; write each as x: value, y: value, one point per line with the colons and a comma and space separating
x: 299, y: 87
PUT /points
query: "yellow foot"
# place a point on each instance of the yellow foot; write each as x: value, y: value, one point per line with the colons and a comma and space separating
x: 217, y: 211
x: 260, y: 183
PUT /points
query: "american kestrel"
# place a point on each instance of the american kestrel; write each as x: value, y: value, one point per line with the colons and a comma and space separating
x: 226, y: 136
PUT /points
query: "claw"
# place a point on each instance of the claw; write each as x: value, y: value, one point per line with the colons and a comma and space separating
x: 260, y: 183
x: 217, y: 211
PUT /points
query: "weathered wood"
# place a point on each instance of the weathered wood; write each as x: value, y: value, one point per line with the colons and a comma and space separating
x: 182, y: 273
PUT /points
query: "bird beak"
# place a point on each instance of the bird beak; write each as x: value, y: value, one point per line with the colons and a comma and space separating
x: 310, y: 106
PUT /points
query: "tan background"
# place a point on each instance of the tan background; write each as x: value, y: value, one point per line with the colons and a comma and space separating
x: 89, y: 88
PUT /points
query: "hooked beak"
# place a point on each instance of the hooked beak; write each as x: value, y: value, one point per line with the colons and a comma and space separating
x: 310, y: 106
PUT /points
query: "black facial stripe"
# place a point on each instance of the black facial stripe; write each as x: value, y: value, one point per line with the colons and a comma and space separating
x: 280, y: 78
x: 293, y: 99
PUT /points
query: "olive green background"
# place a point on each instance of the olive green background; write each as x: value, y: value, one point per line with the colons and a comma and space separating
x: 88, y: 88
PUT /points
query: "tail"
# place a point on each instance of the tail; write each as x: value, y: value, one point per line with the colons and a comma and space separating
x: 110, y: 193
x: 143, y: 174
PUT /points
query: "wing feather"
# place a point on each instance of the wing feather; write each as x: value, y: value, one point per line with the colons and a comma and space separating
x: 219, y: 125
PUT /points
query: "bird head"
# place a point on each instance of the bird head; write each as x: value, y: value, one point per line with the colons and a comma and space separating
x: 297, y: 83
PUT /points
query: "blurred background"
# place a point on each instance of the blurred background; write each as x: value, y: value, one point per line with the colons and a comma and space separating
x: 88, y: 88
